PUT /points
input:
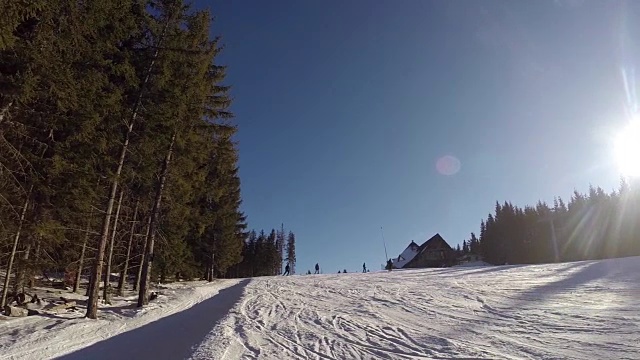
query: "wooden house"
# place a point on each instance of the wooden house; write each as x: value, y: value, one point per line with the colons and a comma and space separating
x: 434, y: 252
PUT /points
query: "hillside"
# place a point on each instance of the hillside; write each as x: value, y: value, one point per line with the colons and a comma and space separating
x: 573, y: 311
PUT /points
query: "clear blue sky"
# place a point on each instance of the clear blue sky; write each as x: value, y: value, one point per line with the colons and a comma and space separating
x: 345, y: 107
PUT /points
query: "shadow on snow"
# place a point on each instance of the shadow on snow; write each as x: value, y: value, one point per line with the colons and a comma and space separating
x: 171, y: 337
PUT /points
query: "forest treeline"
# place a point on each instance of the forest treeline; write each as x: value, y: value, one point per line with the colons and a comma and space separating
x: 595, y: 225
x: 117, y: 149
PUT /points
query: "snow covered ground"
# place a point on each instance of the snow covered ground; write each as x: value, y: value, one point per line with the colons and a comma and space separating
x: 50, y: 335
x: 582, y: 310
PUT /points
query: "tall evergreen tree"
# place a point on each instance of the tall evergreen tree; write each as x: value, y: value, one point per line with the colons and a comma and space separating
x: 280, y: 243
x: 291, y: 252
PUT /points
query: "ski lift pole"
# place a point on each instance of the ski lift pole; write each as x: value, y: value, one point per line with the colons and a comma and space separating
x: 386, y: 257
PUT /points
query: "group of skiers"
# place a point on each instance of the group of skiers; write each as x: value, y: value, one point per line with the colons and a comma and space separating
x: 287, y: 270
x: 364, y: 269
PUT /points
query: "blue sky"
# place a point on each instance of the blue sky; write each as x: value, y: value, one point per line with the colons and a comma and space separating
x: 345, y: 107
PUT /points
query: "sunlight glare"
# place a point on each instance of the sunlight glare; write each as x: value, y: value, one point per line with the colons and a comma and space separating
x: 627, y: 150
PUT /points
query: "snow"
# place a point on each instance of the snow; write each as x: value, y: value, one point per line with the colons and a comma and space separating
x: 473, y: 264
x: 52, y: 335
x: 570, y: 311
x: 407, y: 255
x: 575, y: 310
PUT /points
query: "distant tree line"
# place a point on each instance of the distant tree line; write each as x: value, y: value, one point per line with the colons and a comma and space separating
x: 116, y: 146
x: 595, y: 225
x: 265, y: 255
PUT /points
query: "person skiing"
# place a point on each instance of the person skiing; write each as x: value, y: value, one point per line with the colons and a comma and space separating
x: 339, y: 272
x: 364, y: 267
x: 317, y: 269
x: 389, y: 265
x: 344, y: 271
x: 286, y: 270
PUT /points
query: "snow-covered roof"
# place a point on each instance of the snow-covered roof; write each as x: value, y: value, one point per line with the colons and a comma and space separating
x: 406, y: 256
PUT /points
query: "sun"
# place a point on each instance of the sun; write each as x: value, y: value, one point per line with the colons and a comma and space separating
x: 627, y: 150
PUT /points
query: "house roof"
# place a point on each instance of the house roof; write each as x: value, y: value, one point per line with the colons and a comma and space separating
x: 406, y: 256
x: 433, y: 242
x: 414, y: 249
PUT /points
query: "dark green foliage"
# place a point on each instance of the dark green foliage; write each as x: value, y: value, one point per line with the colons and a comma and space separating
x: 591, y: 226
x: 78, y: 81
x: 261, y: 255
x: 291, y: 252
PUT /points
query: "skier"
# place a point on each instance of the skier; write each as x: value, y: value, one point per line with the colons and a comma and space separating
x: 389, y: 265
x: 364, y: 267
x: 344, y: 271
x: 317, y: 269
x: 339, y: 272
x: 286, y: 270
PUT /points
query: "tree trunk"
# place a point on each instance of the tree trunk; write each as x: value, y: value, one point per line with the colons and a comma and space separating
x: 5, y: 110
x: 125, y: 268
x: 36, y: 261
x: 76, y: 284
x: 92, y: 302
x: 136, y: 285
x: 143, y: 295
x: 210, y: 272
x: 96, y: 273
x: 16, y: 240
x: 21, y: 269
x: 89, y: 285
x: 107, y: 278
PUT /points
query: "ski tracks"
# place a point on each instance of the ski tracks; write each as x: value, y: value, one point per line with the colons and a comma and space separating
x: 537, y: 312
x: 303, y: 318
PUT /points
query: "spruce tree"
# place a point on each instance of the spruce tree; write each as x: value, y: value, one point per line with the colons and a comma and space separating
x: 291, y: 252
x: 280, y: 243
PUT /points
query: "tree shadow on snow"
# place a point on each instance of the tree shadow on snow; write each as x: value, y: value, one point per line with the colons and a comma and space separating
x: 171, y: 337
x: 463, y: 271
x: 456, y: 272
x: 597, y: 270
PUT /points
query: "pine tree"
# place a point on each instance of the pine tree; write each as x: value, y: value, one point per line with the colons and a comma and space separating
x: 129, y: 119
x: 120, y: 98
x: 291, y: 252
x: 474, y: 244
x: 280, y: 243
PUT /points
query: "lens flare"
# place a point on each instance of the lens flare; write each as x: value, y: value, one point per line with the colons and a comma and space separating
x: 448, y: 165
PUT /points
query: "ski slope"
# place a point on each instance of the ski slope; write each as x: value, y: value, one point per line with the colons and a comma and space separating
x: 51, y: 335
x: 582, y: 310
x: 571, y: 311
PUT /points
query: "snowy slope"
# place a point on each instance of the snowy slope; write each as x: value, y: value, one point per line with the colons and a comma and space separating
x: 50, y: 335
x: 571, y: 311
x: 583, y: 310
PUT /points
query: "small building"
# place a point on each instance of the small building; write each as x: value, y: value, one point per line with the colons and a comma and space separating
x: 406, y: 256
x: 434, y: 252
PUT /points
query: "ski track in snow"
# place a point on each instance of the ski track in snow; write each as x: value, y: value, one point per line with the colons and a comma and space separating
x: 571, y: 311
x: 582, y: 310
x: 49, y: 336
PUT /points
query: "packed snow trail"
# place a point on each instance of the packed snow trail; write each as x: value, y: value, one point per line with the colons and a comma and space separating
x: 171, y: 337
x: 571, y: 311
x: 119, y: 327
